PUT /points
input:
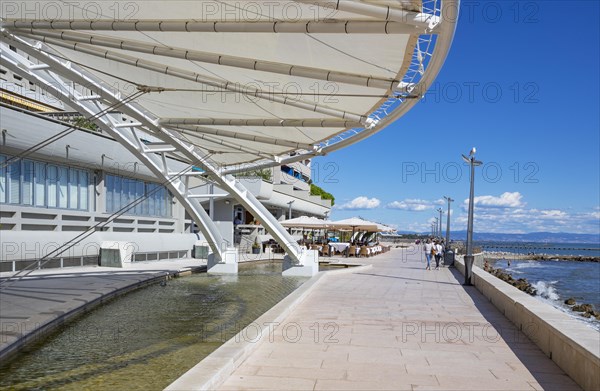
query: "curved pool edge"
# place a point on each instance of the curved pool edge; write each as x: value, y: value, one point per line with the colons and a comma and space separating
x: 44, y: 329
x: 215, y: 368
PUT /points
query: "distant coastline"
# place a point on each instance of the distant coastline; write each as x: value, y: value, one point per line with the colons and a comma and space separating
x: 531, y: 237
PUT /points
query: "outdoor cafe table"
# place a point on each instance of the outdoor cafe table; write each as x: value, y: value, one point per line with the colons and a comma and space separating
x: 341, y: 247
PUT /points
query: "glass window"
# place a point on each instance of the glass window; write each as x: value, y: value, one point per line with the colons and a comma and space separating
x: 132, y: 198
x: 2, y: 180
x: 83, y: 190
x: 52, y: 175
x: 151, y: 204
x: 117, y: 194
x: 139, y: 196
x: 14, y: 182
x: 73, y: 191
x: 126, y: 196
x: 110, y: 187
x: 169, y: 204
x: 163, y: 201
x: 40, y: 184
x: 63, y: 179
x: 150, y: 199
x: 28, y: 182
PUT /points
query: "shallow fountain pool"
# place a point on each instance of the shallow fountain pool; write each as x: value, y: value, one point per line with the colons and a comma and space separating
x: 148, y: 338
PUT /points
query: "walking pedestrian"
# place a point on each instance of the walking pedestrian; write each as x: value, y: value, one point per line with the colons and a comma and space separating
x: 428, y: 248
x: 438, y: 254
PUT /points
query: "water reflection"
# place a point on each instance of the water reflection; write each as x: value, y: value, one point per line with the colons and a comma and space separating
x: 150, y: 337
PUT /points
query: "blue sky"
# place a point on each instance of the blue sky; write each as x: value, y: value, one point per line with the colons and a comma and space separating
x: 521, y: 84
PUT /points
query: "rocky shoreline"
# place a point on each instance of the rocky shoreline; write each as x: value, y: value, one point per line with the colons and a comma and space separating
x: 584, y: 309
x: 521, y: 283
x: 498, y: 255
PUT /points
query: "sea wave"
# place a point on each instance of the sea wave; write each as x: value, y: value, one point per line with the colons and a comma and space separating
x: 546, y: 290
x: 517, y: 267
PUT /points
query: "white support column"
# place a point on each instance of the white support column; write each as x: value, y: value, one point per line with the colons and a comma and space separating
x: 228, y: 264
x: 308, y: 266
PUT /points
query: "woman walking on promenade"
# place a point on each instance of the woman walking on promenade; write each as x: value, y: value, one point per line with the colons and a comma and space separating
x: 427, y: 249
x: 439, y: 250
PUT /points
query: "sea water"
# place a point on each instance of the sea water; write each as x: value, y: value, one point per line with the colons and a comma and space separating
x: 556, y: 281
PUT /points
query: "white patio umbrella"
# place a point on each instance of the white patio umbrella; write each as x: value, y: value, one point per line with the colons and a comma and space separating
x: 305, y: 222
x: 385, y: 228
x: 354, y: 223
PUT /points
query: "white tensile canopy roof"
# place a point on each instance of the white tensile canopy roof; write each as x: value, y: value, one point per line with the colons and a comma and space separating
x: 258, y: 83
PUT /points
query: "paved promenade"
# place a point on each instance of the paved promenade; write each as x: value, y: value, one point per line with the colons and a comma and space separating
x: 397, y: 326
x: 50, y: 296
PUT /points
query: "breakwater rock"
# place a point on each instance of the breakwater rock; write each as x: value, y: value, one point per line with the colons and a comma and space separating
x: 521, y: 283
x: 498, y: 255
x: 586, y: 310
x: 574, y: 258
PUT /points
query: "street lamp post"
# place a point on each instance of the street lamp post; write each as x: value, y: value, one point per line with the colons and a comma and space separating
x: 447, y: 260
x: 448, y: 220
x: 469, y: 256
x: 440, y: 222
x: 435, y: 227
x: 290, y: 209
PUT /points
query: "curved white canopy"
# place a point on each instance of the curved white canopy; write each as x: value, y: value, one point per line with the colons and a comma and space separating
x: 255, y: 83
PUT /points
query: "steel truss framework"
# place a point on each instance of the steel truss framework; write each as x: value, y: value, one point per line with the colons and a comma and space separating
x: 431, y: 29
x: 59, y: 75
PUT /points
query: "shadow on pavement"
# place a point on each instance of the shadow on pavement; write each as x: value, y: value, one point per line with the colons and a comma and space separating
x: 542, y: 368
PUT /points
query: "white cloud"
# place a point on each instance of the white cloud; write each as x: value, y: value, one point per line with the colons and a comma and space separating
x: 411, y: 204
x: 521, y: 220
x: 415, y: 205
x: 506, y: 200
x: 518, y: 220
x: 360, y: 203
x: 553, y: 213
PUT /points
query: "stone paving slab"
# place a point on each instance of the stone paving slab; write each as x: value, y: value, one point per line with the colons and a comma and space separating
x: 397, y: 326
